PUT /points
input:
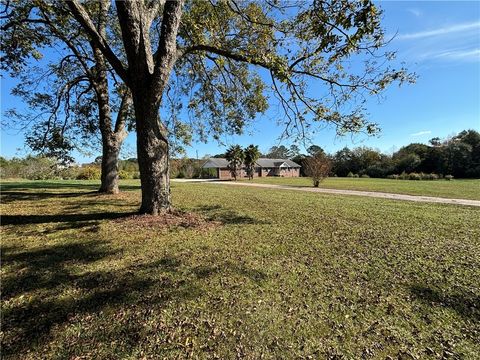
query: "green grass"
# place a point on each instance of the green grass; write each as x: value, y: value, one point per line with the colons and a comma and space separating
x: 282, y: 275
x: 459, y: 188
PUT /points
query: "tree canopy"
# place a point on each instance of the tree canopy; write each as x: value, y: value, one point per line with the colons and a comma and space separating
x: 208, y: 67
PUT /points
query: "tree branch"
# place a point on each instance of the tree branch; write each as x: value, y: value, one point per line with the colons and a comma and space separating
x: 80, y: 14
x: 166, y: 54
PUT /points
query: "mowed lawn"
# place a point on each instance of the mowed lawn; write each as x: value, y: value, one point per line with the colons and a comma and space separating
x: 272, y: 274
x: 457, y: 188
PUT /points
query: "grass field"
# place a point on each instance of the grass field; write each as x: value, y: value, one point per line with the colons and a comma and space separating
x: 269, y: 274
x: 458, y: 188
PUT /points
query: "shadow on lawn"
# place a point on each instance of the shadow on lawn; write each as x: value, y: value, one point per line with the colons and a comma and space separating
x: 466, y: 305
x: 60, y: 293
x: 75, y: 220
x: 227, y: 216
x: 46, y: 288
x: 37, y: 185
x: 10, y: 196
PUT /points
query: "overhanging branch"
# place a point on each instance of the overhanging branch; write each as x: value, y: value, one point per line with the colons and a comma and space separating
x: 85, y: 21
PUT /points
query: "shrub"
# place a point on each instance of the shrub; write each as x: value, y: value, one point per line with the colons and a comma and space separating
x: 180, y: 175
x: 350, y: 174
x: 209, y: 173
x: 318, y: 167
x: 125, y: 175
x: 414, y: 176
x: 69, y: 173
x: 448, y: 177
x: 365, y: 176
x: 89, y: 173
x: 355, y: 175
x: 136, y: 175
x: 393, y: 176
x: 431, y: 176
x: 403, y: 176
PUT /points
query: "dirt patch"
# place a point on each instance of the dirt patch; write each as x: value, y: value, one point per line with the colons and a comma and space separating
x: 173, y: 219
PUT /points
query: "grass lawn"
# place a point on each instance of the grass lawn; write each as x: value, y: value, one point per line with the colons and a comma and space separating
x: 275, y: 274
x: 458, y: 188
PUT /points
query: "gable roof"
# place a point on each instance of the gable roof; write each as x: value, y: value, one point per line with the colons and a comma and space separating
x: 215, y: 163
x: 262, y: 162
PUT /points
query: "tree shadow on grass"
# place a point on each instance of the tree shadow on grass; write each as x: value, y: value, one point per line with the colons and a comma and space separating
x: 45, y: 185
x: 73, y: 219
x: 227, y: 216
x: 44, y: 289
x: 57, y: 291
x: 466, y: 305
x: 11, y: 196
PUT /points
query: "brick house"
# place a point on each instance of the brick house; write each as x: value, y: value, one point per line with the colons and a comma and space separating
x: 264, y: 167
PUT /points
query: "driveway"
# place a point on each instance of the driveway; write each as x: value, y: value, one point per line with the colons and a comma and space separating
x: 373, y: 194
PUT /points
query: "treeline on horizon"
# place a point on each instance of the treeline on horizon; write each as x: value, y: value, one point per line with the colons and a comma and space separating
x: 458, y: 156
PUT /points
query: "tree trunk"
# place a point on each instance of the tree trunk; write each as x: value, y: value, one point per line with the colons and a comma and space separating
x: 109, y: 177
x: 153, y: 160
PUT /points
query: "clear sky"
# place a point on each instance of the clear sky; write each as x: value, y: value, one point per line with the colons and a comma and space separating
x: 440, y: 41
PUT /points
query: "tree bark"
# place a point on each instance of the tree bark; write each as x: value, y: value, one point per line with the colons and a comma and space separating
x: 153, y: 159
x: 146, y: 76
x: 109, y: 177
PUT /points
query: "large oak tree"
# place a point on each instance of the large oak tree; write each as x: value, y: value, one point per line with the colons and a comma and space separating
x: 224, y: 58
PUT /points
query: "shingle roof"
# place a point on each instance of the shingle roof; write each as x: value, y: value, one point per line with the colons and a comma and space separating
x: 262, y: 162
x: 215, y: 163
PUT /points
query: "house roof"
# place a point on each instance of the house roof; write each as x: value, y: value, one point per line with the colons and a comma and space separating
x: 215, y: 163
x: 262, y: 162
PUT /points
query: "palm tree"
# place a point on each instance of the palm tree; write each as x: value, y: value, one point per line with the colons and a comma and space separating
x: 235, y: 157
x: 251, y: 156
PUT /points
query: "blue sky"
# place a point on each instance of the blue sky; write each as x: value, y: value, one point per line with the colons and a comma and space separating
x: 440, y: 41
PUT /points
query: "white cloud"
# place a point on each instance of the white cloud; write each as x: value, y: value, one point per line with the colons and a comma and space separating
x: 456, y: 43
x: 415, y: 12
x: 473, y: 54
x: 420, y: 133
x: 441, y: 31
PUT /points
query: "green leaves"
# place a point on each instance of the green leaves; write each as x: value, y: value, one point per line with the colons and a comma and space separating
x: 235, y: 157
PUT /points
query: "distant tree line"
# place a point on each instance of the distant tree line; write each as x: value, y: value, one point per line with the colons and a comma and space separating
x: 458, y: 156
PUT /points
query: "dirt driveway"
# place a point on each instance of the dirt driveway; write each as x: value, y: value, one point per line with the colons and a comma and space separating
x: 374, y: 194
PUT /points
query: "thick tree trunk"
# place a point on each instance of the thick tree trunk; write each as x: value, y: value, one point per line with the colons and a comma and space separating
x: 153, y: 160
x: 109, y: 177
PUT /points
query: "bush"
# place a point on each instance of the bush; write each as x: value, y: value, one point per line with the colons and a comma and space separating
x: 414, y: 176
x: 136, y: 175
x: 403, y: 176
x: 365, y: 176
x: 180, y: 175
x: 69, y: 173
x: 355, y: 175
x: 431, y: 176
x: 209, y: 173
x: 89, y: 173
x: 350, y: 174
x: 448, y: 177
x: 125, y: 175
x: 393, y: 176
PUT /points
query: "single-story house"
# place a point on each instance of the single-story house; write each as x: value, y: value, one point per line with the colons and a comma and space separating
x: 263, y: 167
